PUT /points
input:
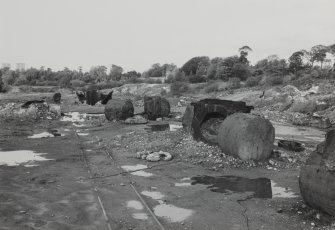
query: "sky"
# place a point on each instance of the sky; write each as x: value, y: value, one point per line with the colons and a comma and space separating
x: 135, y: 34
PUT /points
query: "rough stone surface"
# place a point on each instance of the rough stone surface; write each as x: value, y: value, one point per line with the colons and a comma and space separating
x: 119, y: 109
x: 246, y: 136
x: 317, y: 177
x: 197, y: 113
x: 156, y: 107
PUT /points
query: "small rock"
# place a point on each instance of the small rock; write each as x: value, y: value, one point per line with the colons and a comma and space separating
x: 279, y: 210
x: 313, y: 224
x: 122, y: 184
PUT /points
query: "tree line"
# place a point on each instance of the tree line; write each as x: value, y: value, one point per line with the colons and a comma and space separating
x: 197, y: 69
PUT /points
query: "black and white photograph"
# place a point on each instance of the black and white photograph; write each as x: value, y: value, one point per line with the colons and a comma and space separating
x: 167, y: 115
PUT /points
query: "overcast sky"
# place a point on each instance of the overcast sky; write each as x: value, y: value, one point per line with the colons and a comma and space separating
x: 138, y: 33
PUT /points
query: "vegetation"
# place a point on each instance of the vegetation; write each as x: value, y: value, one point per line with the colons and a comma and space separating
x: 301, y: 67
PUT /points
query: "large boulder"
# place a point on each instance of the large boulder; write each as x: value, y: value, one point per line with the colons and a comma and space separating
x: 246, y: 136
x: 117, y: 109
x: 202, y: 118
x: 156, y: 107
x: 317, y: 177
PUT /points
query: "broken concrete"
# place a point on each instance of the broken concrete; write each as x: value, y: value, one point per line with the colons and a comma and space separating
x: 119, y: 109
x: 197, y: 113
x: 246, y: 136
x: 156, y: 107
x: 317, y: 177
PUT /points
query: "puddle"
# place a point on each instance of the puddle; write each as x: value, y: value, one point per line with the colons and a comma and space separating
x: 185, y: 179
x: 185, y: 184
x: 51, y: 133
x: 133, y: 167
x: 305, y: 134
x: 83, y: 134
x: 74, y: 117
x: 140, y: 216
x: 174, y: 128
x: 172, y: 213
x: 142, y: 173
x: 89, y: 150
x: 158, y: 127
x: 280, y: 192
x: 42, y: 135
x: 153, y: 195
x: 25, y: 157
x: 261, y: 187
x: 135, y: 205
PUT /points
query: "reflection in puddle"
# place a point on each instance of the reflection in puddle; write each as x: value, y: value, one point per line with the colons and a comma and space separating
x: 41, y: 135
x: 15, y: 158
x: 83, y: 134
x: 140, y: 216
x: 280, y: 192
x: 172, y: 213
x: 185, y: 184
x: 134, y: 204
x: 174, y: 128
x: 153, y: 195
x: 261, y: 187
x: 133, y: 167
x: 74, y: 117
x: 142, y: 173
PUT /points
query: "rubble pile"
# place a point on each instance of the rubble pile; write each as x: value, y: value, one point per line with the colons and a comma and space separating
x: 35, y: 110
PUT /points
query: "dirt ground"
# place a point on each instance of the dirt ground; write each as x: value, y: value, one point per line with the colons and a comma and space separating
x: 93, y: 180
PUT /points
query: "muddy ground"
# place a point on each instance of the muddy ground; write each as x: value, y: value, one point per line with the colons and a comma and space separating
x: 90, y: 178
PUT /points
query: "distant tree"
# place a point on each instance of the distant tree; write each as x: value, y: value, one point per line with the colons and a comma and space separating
x: 318, y: 54
x: 272, y: 65
x: 191, y: 66
x: 99, y: 73
x: 296, y: 61
x: 131, y: 75
x: 244, y: 50
x: 115, y: 73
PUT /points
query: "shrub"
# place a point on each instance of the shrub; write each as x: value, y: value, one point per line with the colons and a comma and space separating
x: 77, y: 83
x: 153, y: 81
x: 197, y: 79
x: 212, y: 88
x: 135, y: 80
x: 234, y: 83
x: 109, y: 85
x: 253, y: 81
x: 178, y: 88
x: 274, y: 80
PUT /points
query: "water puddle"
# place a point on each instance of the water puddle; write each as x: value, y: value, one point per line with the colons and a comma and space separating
x: 74, y: 117
x: 135, y: 205
x: 140, y: 216
x: 142, y: 173
x: 153, y: 195
x: 133, y: 167
x: 163, y: 127
x: 172, y: 213
x: 184, y: 184
x: 174, y: 127
x: 260, y: 187
x: 83, y: 134
x: 280, y: 192
x: 50, y: 133
x: 25, y: 157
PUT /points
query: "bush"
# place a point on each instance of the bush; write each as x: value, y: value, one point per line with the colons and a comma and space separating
x: 178, y: 88
x: 234, y: 83
x: 109, y: 85
x: 152, y: 81
x: 197, y: 79
x: 77, y: 83
x: 135, y: 80
x: 274, y: 80
x: 253, y: 81
x: 212, y: 88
